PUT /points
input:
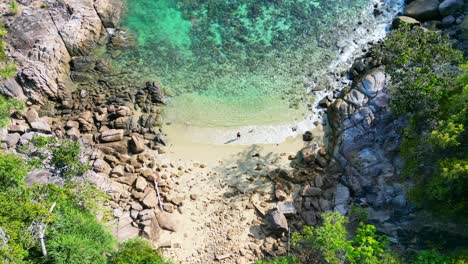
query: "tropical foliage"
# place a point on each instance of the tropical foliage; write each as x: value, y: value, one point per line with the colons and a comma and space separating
x: 433, y: 93
x: 329, y: 243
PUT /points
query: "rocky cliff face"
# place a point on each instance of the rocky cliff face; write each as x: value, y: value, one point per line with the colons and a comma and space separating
x: 44, y: 38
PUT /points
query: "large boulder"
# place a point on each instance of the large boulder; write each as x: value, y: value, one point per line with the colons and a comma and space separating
x: 112, y: 135
x: 150, y: 200
x: 449, y: 7
x: 423, y: 10
x: 372, y: 83
x: 11, y: 88
x: 41, y: 56
x: 79, y: 25
x: 167, y: 221
x: 125, y: 229
x: 404, y: 20
x: 277, y: 221
x: 109, y: 11
x: 136, y: 144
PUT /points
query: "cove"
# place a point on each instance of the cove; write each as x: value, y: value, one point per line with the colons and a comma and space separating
x: 237, y: 63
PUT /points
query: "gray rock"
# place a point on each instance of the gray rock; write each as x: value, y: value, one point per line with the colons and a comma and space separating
x: 277, y: 221
x: 79, y: 26
x: 448, y: 21
x: 118, y: 171
x: 146, y: 214
x: 404, y: 20
x: 73, y: 133
x: 12, y: 139
x: 167, y: 221
x: 18, y: 128
x: 152, y: 231
x: 125, y: 229
x: 101, y: 166
x: 112, y: 135
x: 136, y: 144
x: 11, y: 88
x: 309, y: 217
x: 41, y: 126
x: 43, y: 64
x: 356, y: 98
x: 372, y: 83
x: 31, y: 116
x: 72, y: 124
x: 140, y: 184
x: 342, y: 198
x: 109, y: 11
x: 311, y: 191
x: 423, y: 10
x: 448, y: 7
x: 41, y: 176
x: 137, y: 206
x: 280, y: 195
x: 287, y: 208
x: 150, y: 200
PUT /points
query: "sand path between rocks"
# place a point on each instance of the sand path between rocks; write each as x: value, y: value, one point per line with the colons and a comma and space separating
x: 217, y: 222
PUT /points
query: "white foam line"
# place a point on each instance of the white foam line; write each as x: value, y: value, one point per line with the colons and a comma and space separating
x: 352, y: 48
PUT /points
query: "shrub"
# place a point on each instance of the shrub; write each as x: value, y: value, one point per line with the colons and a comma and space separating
x: 12, y: 171
x: 328, y: 243
x: 14, y: 7
x: 77, y: 237
x: 65, y: 155
x: 66, y: 158
x: 136, y: 251
x: 7, y: 107
x: 426, y: 86
x: 7, y: 68
x: 20, y: 210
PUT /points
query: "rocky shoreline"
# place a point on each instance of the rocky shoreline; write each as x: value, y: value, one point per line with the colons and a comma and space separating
x: 72, y: 93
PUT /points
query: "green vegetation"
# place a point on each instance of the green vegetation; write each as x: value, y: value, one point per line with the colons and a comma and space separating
x: 433, y: 93
x: 136, y: 251
x: 12, y: 171
x: 65, y: 155
x: 73, y: 233
x: 7, y: 68
x: 14, y: 8
x: 329, y: 243
x: 66, y: 158
x: 7, y: 107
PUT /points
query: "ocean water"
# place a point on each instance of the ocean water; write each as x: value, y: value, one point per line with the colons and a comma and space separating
x: 239, y: 63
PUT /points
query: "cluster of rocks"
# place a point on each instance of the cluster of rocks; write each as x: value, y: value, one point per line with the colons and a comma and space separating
x: 23, y: 127
x: 447, y: 15
x: 70, y: 93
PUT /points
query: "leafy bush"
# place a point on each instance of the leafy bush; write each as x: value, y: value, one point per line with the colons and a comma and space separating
x: 14, y: 7
x: 65, y: 155
x: 136, y: 251
x: 329, y: 243
x: 428, y: 88
x: 19, y: 211
x: 66, y: 158
x: 7, y: 107
x: 12, y: 171
x: 7, y: 68
x: 77, y: 237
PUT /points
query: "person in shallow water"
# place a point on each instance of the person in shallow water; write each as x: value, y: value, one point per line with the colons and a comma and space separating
x: 238, y: 135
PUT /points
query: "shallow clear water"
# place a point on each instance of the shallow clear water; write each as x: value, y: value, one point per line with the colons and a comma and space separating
x: 232, y: 63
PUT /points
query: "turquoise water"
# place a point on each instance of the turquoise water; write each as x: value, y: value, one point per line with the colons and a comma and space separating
x: 230, y: 63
